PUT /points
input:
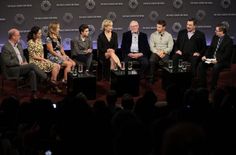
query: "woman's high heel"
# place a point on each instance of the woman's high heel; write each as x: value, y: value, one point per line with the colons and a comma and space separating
x: 53, y: 82
x: 56, y: 89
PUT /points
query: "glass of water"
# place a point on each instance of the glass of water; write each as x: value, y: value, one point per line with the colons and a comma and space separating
x: 80, y: 68
x: 180, y: 63
x: 122, y: 65
x: 74, y: 72
x: 184, y: 66
x: 170, y: 64
x: 130, y: 65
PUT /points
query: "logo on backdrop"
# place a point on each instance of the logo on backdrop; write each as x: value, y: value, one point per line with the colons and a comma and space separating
x: 153, y: 15
x: 90, y: 4
x: 46, y: 5
x: 68, y: 17
x: 176, y: 27
x: 225, y: 4
x: 133, y: 4
x: 200, y: 15
x: 19, y: 18
x: 177, y: 4
x: 112, y: 16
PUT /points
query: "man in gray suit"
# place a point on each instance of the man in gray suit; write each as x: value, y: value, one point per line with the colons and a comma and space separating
x: 81, y: 47
x: 15, y: 62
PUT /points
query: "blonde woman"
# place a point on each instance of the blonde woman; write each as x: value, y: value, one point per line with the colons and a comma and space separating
x: 36, y: 55
x: 108, y: 44
x: 56, y: 52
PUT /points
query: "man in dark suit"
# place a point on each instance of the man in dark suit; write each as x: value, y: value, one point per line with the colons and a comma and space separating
x: 190, y: 45
x: 135, y: 46
x: 218, y: 56
x: 15, y: 63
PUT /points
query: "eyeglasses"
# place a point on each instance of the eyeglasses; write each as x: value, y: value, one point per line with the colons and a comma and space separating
x: 218, y: 31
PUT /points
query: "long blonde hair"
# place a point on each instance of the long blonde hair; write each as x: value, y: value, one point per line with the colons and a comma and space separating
x: 52, y: 29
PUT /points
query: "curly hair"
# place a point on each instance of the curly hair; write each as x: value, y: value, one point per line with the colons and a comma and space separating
x: 34, y: 30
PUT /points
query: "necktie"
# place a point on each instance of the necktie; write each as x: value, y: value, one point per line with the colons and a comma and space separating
x: 217, y: 46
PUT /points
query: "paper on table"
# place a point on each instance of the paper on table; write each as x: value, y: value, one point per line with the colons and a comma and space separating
x: 208, y: 61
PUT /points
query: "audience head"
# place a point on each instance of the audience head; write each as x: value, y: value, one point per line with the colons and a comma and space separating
x: 107, y: 25
x: 35, y: 33
x: 184, y: 138
x: 84, y: 30
x: 134, y: 26
x: 161, y: 26
x: 111, y: 98
x: 53, y: 29
x: 127, y: 102
x: 14, y: 35
x: 221, y: 30
x: 191, y: 25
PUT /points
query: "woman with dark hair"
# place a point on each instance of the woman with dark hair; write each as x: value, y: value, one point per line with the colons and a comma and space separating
x: 36, y: 55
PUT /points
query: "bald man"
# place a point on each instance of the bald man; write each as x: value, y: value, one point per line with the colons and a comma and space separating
x: 135, y: 46
x: 15, y: 63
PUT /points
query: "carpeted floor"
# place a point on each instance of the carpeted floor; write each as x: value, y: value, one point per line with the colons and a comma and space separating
x: 102, y: 88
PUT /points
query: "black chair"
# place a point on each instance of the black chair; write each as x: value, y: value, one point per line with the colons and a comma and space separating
x: 20, y: 81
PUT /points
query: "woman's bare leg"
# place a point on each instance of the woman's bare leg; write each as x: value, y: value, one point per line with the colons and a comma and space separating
x: 115, y: 59
x: 68, y: 65
x: 55, y: 71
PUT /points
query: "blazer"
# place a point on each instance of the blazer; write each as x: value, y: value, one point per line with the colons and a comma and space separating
x: 198, y: 41
x: 103, y: 44
x: 224, y: 52
x: 10, y: 59
x: 142, y: 43
x: 78, y: 46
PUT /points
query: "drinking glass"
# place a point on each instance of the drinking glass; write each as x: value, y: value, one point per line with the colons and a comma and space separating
x: 184, y: 66
x: 130, y: 65
x: 180, y: 63
x: 170, y: 64
x: 122, y: 65
x: 80, y: 68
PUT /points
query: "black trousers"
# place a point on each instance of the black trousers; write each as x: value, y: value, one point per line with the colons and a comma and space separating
x: 216, y: 69
x: 156, y: 61
x: 32, y: 71
x: 143, y: 64
x: 85, y: 58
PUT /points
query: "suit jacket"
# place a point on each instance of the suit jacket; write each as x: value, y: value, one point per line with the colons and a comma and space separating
x: 10, y: 60
x: 224, y: 52
x: 142, y: 43
x: 103, y: 44
x: 198, y: 43
x: 78, y: 46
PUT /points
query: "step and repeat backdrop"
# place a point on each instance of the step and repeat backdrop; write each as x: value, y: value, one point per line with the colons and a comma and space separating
x: 24, y: 14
